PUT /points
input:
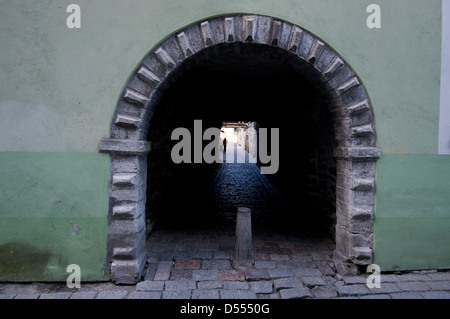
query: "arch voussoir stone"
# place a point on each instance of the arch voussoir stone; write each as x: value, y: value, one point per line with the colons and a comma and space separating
x: 356, y: 154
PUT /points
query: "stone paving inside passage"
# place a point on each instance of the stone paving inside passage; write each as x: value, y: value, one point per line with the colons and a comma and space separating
x: 237, y: 182
x: 200, y: 261
x: 286, y: 263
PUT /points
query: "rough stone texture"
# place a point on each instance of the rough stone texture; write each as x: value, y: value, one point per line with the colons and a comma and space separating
x: 150, y: 286
x: 163, y: 270
x: 313, y: 281
x: 243, y: 250
x: 389, y: 278
x: 381, y: 296
x: 26, y: 296
x: 177, y: 294
x: 413, y: 277
x: 412, y: 286
x: 386, y: 288
x: 324, y: 292
x: 436, y: 295
x: 188, y: 264
x: 236, y: 185
x: 235, y: 285
x: 14, y: 289
x: 439, y: 285
x: 151, y: 270
x: 222, y: 254
x: 112, y: 294
x: 180, y: 285
x: 262, y: 287
x: 265, y: 264
x: 237, y: 294
x: 144, y: 295
x: 307, y: 272
x: 326, y: 269
x: 278, y: 257
x: 351, y: 280
x: 295, y: 293
x: 235, y: 275
x: 217, y: 264
x: 181, y: 274
x: 440, y: 276
x: 291, y: 282
x: 84, y: 295
x: 257, y: 274
x: 127, y: 147
x: 206, y: 294
x: 280, y: 273
x: 407, y: 295
x: 205, y: 275
x: 320, y: 65
x: 352, y: 290
x: 56, y: 295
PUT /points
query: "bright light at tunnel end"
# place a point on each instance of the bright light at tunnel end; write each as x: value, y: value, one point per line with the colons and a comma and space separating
x: 190, y: 149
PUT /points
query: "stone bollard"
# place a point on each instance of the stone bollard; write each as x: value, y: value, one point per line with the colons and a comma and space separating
x: 243, y: 247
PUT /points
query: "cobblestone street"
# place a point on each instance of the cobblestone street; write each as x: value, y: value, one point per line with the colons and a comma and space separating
x: 196, y: 264
x: 201, y: 260
x: 238, y: 183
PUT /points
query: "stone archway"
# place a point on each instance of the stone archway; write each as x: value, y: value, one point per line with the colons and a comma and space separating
x: 356, y: 154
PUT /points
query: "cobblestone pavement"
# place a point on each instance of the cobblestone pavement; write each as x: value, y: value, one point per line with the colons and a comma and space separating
x: 196, y: 264
x: 238, y: 183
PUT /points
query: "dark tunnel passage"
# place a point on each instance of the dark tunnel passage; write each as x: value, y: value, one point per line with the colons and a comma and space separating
x: 250, y: 83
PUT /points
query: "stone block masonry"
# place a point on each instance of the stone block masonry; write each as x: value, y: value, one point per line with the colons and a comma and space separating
x: 339, y: 87
x: 243, y: 247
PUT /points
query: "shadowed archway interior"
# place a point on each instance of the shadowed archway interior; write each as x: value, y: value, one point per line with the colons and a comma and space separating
x: 245, y: 82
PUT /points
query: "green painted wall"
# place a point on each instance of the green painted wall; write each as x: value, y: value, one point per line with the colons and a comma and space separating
x: 59, y: 88
x: 63, y: 84
x: 412, y: 229
x: 53, y: 208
